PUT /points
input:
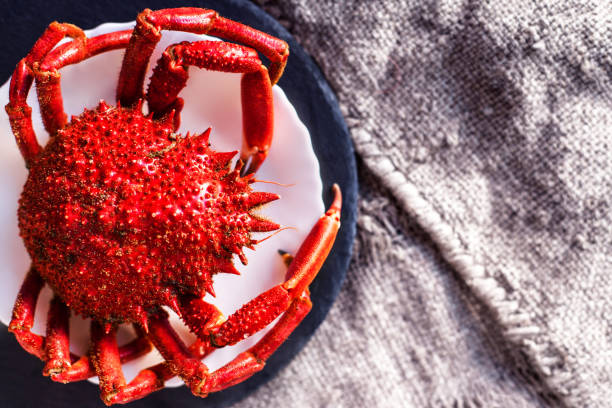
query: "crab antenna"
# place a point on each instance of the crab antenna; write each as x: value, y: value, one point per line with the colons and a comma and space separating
x: 272, y: 182
x: 258, y: 241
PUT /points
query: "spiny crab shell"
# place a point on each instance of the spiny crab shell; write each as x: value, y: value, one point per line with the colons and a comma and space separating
x: 121, y: 215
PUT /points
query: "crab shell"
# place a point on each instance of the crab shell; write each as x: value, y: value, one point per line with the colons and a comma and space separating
x: 120, y: 215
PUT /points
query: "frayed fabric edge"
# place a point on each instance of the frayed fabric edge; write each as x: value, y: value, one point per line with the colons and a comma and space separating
x: 518, y: 327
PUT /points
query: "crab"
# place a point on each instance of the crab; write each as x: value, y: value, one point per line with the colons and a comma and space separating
x: 122, y: 216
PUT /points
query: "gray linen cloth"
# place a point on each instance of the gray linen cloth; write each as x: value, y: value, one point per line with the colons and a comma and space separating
x: 481, y: 272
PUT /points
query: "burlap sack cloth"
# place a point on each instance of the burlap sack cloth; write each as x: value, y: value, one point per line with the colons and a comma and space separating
x: 481, y: 272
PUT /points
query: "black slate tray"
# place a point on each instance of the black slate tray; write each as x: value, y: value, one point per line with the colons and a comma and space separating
x: 21, y: 381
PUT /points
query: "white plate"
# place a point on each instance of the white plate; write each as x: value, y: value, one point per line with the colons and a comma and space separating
x: 211, y: 99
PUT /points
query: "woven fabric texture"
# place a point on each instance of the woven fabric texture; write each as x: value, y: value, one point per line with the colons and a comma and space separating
x: 481, y: 272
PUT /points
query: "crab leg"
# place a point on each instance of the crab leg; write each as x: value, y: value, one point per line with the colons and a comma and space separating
x: 146, y: 382
x: 54, y: 348
x: 144, y: 39
x: 104, y: 355
x: 48, y: 78
x: 304, y: 267
x: 202, y: 315
x: 83, y: 368
x: 153, y: 378
x: 275, y: 49
x: 23, y: 315
x: 57, y: 342
x: 199, y: 316
x: 246, y: 321
x: 315, y: 248
x: 180, y: 361
x: 171, y: 74
x: 253, y: 360
x: 48, y: 88
x: 239, y: 369
x: 20, y: 114
x: 107, y: 361
x: 194, y: 20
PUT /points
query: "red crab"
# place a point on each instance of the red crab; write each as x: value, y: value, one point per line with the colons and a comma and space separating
x: 122, y: 216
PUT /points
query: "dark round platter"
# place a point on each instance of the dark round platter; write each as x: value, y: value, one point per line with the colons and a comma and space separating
x: 21, y: 23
